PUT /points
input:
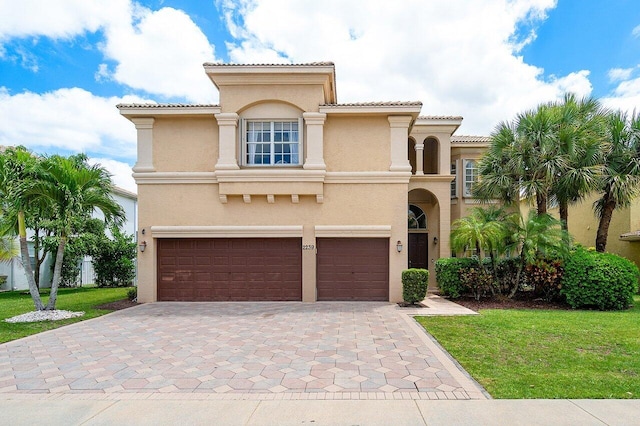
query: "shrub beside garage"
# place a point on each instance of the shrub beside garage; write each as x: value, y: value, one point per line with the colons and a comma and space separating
x: 586, y: 279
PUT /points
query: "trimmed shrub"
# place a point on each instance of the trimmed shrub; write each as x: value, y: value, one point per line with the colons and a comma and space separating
x: 506, y: 274
x: 448, y: 275
x: 132, y: 293
x: 477, y: 280
x: 601, y: 280
x: 414, y: 285
x: 545, y: 277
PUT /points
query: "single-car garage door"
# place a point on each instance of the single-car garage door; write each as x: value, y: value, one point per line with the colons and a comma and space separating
x: 353, y: 269
x: 229, y: 269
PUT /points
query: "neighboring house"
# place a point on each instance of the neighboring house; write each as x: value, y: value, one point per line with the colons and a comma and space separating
x: 14, y: 271
x: 282, y: 193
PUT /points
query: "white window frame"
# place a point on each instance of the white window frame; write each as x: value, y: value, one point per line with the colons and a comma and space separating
x: 454, y: 182
x: 469, y: 182
x: 244, y: 144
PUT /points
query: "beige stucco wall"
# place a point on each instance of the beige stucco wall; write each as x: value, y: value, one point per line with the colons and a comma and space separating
x: 344, y: 204
x: 185, y: 144
x: 236, y: 98
x: 357, y: 144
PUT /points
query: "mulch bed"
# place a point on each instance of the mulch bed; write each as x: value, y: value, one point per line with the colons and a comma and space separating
x: 117, y: 305
x: 505, y: 303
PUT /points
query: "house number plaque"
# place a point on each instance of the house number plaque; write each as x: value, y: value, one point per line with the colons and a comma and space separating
x: 308, y: 247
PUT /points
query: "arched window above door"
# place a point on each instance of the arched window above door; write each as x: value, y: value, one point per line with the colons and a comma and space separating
x: 416, y: 218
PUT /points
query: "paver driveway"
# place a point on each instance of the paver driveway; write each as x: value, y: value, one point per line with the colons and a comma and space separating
x: 340, y: 350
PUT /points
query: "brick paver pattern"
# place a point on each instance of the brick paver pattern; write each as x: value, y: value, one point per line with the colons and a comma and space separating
x: 225, y: 348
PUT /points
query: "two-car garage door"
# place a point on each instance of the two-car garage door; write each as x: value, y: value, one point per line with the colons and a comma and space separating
x: 270, y: 269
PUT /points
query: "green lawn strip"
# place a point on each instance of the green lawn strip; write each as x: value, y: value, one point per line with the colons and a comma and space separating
x: 71, y: 299
x: 546, y: 353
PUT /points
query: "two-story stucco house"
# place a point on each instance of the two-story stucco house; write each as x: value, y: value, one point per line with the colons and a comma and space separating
x: 282, y: 193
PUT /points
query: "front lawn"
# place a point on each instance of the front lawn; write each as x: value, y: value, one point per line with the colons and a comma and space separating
x: 546, y: 353
x: 71, y: 299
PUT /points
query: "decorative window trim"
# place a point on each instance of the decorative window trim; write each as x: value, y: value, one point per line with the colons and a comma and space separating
x: 454, y: 182
x: 468, y: 181
x: 244, y: 125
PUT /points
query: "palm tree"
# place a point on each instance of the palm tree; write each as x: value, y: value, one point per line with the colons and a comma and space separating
x: 579, y: 124
x: 522, y: 160
x: 534, y: 236
x: 72, y: 188
x: 479, y: 230
x: 619, y: 183
x: 17, y: 170
x: 8, y: 248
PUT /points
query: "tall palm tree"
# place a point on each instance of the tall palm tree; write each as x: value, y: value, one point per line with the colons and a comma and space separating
x: 522, y: 160
x: 8, y: 248
x: 579, y: 130
x: 619, y: 183
x: 72, y: 188
x: 18, y: 168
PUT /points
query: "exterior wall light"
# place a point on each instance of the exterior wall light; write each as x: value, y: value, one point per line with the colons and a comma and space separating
x: 399, y: 246
x: 143, y: 246
x: 435, y: 240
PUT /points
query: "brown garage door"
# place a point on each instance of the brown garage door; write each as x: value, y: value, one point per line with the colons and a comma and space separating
x: 353, y: 269
x: 230, y: 269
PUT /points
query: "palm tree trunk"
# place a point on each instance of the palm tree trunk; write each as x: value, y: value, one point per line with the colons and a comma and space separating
x: 564, y: 215
x: 603, y: 225
x: 57, y: 273
x: 541, y: 202
x: 26, y: 263
x: 515, y: 288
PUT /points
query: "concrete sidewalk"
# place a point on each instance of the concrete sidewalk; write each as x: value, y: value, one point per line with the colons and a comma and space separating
x: 171, y: 409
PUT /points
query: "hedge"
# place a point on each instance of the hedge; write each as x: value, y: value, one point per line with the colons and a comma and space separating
x: 414, y: 285
x: 602, y: 280
x: 448, y: 275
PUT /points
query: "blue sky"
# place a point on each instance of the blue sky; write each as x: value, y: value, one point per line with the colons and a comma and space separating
x: 64, y: 65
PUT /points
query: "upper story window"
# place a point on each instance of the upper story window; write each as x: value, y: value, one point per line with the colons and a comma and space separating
x: 272, y: 143
x: 454, y: 182
x: 470, y: 176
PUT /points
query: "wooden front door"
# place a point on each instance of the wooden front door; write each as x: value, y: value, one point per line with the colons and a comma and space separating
x: 418, y: 251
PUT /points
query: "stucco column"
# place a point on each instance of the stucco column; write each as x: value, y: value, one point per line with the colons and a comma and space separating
x: 445, y: 155
x: 419, y: 159
x: 309, y: 264
x: 227, y: 125
x: 314, y: 123
x: 445, y: 225
x: 399, y: 126
x: 144, y: 127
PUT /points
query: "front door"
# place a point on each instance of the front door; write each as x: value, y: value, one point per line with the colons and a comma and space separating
x: 418, y: 251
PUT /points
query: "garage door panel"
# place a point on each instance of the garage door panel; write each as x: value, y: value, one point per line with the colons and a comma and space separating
x: 227, y: 269
x: 353, y: 269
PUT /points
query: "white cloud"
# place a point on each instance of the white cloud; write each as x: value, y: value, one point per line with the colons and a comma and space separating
x: 636, y: 31
x: 625, y: 97
x: 57, y: 19
x: 121, y: 173
x: 458, y: 57
x: 161, y: 52
x: 619, y: 74
x: 67, y: 119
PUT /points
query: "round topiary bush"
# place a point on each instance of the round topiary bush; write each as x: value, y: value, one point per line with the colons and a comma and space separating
x: 414, y: 285
x: 602, y: 280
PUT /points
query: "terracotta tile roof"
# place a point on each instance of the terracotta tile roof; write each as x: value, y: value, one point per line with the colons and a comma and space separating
x: 374, y: 104
x: 470, y: 139
x: 150, y: 105
x: 439, y: 117
x: 308, y: 64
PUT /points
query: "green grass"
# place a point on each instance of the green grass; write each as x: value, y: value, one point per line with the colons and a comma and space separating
x: 546, y: 353
x: 76, y: 299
